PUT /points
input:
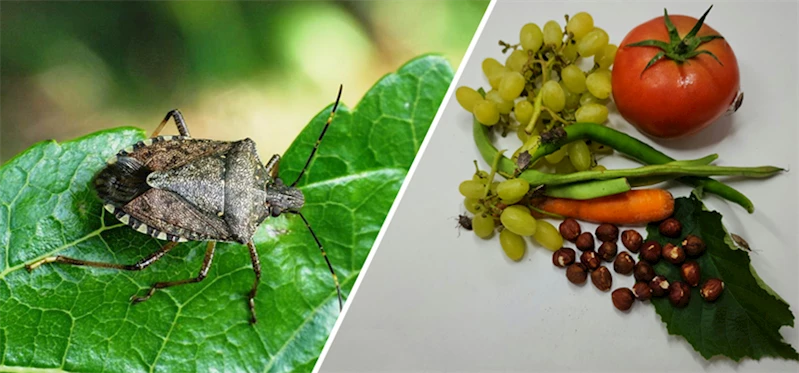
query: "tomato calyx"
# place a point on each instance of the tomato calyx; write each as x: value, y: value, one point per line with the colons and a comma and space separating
x: 680, y: 50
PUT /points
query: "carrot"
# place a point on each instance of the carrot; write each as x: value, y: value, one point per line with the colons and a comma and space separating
x: 638, y: 206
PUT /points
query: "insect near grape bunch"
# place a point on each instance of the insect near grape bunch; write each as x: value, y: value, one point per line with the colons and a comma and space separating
x: 177, y: 188
x: 541, y: 87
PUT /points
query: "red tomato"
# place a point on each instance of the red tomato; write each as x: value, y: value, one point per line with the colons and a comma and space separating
x: 672, y: 99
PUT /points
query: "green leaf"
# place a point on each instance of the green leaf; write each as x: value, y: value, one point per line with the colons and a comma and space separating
x: 68, y: 318
x: 746, y: 320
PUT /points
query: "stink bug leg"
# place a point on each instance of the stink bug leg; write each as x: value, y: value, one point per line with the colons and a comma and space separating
x: 138, y: 266
x: 209, y: 257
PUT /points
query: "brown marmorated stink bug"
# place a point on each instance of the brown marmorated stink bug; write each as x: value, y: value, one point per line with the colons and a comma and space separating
x: 177, y: 188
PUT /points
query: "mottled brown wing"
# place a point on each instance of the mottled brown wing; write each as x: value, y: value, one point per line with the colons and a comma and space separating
x: 166, y: 152
x: 168, y: 213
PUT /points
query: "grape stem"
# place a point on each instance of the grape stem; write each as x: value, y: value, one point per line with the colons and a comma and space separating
x: 555, y: 116
x: 494, y: 168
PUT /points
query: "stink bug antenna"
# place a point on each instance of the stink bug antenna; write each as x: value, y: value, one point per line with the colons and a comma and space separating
x: 324, y: 254
x: 319, y: 140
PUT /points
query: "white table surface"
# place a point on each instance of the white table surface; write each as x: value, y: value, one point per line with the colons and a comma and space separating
x: 435, y: 299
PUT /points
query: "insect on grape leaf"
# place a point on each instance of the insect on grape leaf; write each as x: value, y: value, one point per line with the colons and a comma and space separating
x: 77, y: 319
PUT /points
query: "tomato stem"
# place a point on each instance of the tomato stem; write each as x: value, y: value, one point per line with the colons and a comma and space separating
x: 679, y: 49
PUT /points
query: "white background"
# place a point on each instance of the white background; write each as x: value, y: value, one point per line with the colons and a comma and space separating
x: 437, y: 299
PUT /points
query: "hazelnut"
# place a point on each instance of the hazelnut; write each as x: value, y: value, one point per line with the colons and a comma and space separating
x: 650, y: 251
x: 607, y: 232
x: 585, y: 241
x: 577, y: 273
x: 673, y: 254
x: 643, y: 271
x: 632, y: 240
x: 693, y: 245
x: 622, y: 298
x: 590, y: 260
x: 569, y: 229
x: 563, y: 257
x: 670, y: 228
x: 624, y: 263
x: 659, y: 286
x: 606, y: 251
x: 679, y: 294
x: 690, y: 273
x: 601, y: 278
x: 642, y: 291
x: 712, y: 289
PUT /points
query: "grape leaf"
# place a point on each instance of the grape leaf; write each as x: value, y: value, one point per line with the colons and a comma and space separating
x: 746, y: 320
x: 66, y: 318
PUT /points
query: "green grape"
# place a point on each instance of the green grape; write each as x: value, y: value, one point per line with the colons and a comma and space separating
x: 553, y: 35
x: 511, y: 86
x: 587, y: 99
x: 518, y: 220
x: 513, y: 189
x: 503, y: 106
x: 472, y: 189
x: 600, y: 148
x: 483, y: 226
x: 592, y: 42
x: 572, y: 99
x: 605, y: 56
x: 467, y: 97
x: 599, y: 167
x: 493, y: 187
x: 565, y: 166
x: 473, y: 205
x: 580, y: 155
x: 570, y: 51
x: 516, y: 60
x: 556, y: 156
x: 598, y: 83
x: 523, y: 111
x: 574, y: 78
x: 512, y: 244
x: 490, y: 66
x: 594, y: 113
x: 580, y: 24
x: 496, y: 77
x: 554, y: 98
x: 480, y: 176
x: 486, y: 112
x: 531, y: 37
x: 547, y: 235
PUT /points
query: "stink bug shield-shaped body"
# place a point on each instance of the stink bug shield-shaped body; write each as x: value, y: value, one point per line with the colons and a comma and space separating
x: 177, y: 188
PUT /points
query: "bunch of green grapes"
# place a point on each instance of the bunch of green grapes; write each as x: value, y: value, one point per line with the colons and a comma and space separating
x: 505, y: 206
x: 541, y: 85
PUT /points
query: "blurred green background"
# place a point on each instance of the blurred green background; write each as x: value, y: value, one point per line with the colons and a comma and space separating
x: 235, y: 69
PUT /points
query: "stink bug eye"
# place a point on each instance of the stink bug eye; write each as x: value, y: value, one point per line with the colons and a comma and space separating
x: 177, y: 188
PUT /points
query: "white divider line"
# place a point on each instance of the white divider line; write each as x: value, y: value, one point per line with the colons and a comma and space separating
x: 408, y: 177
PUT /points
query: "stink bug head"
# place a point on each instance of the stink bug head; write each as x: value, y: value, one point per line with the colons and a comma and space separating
x: 282, y: 198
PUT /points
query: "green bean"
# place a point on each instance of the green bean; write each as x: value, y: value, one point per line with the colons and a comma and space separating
x: 620, y: 142
x: 588, y: 189
x: 642, y: 152
x: 541, y: 178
